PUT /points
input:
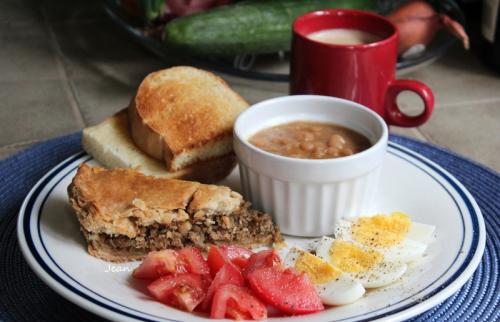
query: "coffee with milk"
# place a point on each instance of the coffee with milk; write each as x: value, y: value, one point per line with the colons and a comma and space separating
x: 340, y: 36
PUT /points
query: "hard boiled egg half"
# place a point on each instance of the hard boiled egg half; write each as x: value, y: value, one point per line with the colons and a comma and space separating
x: 334, y: 287
x: 368, y: 267
x: 394, y: 236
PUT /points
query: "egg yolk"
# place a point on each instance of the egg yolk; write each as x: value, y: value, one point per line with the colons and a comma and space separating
x: 381, y: 230
x: 318, y: 271
x: 350, y: 258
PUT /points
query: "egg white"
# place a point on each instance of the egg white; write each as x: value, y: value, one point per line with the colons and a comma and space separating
x: 338, y: 291
x: 421, y: 232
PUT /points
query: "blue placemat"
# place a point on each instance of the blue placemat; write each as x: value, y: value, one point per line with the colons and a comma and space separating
x: 24, y: 297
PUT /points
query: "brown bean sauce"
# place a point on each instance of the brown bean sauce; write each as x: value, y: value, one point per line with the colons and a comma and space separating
x: 310, y: 140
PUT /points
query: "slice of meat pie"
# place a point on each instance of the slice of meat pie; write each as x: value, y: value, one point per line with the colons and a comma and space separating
x: 124, y: 214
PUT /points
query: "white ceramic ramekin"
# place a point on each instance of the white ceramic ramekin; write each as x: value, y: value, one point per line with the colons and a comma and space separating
x: 306, y: 197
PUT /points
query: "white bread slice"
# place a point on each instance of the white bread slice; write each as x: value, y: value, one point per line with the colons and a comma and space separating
x: 184, y: 115
x: 111, y: 145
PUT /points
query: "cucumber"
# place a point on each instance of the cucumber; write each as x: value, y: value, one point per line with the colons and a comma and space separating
x: 251, y: 26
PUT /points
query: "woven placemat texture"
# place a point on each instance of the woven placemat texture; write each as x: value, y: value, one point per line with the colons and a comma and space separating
x: 24, y: 297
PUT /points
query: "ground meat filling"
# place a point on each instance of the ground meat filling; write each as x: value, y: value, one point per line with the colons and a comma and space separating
x: 245, y: 226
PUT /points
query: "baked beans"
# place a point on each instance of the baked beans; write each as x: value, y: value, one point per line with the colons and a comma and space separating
x: 310, y: 140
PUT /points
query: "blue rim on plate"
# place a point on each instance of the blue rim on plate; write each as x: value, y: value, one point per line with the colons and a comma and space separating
x: 53, y: 279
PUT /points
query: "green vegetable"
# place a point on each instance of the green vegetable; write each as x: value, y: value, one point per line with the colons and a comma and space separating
x: 151, y: 9
x: 251, y: 26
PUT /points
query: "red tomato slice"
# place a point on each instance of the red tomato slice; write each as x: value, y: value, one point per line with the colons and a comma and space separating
x: 184, y: 291
x: 265, y: 258
x: 237, y: 255
x: 216, y: 259
x: 160, y: 263
x: 228, y: 274
x: 236, y: 302
x: 286, y: 290
x: 219, y: 255
x: 235, y: 314
x: 194, y: 261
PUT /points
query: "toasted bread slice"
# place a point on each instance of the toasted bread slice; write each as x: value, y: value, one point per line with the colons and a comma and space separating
x: 124, y: 214
x: 110, y: 143
x: 183, y: 115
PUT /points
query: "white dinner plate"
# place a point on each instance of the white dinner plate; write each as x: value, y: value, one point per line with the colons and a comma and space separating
x: 51, y: 242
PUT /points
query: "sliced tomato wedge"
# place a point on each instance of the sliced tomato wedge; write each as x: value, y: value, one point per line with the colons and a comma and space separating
x: 228, y: 274
x: 194, y: 261
x: 287, y: 290
x: 219, y: 255
x: 216, y: 259
x: 184, y: 291
x: 236, y: 302
x: 265, y: 258
x: 164, y: 262
x: 237, y: 255
x: 160, y: 263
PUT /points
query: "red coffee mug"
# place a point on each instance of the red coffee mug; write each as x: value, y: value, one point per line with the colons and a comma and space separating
x: 362, y: 73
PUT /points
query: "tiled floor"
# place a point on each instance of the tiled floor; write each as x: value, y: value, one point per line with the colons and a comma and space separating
x: 64, y: 66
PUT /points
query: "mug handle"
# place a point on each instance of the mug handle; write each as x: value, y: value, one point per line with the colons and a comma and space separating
x: 394, y: 114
